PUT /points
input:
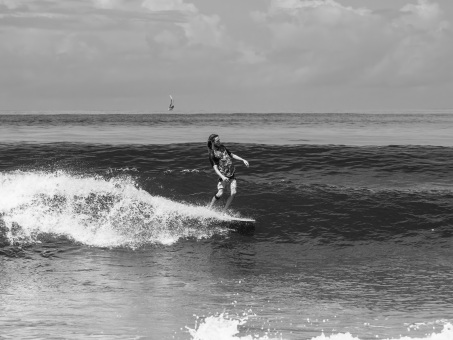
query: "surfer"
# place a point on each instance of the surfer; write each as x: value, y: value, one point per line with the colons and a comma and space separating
x: 222, y: 161
x: 172, y: 106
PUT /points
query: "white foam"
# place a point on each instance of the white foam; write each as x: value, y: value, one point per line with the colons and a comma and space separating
x: 445, y: 334
x: 222, y: 327
x: 95, y: 211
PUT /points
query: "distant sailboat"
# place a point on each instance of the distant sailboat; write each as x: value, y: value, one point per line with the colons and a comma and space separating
x: 172, y: 106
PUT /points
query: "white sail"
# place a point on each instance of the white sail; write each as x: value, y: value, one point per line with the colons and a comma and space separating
x: 171, y: 106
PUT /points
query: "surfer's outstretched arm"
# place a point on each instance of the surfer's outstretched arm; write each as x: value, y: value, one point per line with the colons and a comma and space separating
x: 240, y: 159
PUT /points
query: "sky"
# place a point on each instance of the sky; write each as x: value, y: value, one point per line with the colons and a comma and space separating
x: 226, y: 56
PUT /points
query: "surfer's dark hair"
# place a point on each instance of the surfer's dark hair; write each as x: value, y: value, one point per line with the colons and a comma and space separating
x: 211, y: 139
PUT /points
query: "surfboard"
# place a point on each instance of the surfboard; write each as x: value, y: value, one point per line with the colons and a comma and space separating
x: 239, y: 224
x: 240, y: 219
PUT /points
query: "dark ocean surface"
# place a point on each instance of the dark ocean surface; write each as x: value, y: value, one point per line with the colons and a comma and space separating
x: 105, y: 231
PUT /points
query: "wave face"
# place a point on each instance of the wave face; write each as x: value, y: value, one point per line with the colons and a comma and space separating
x: 137, y: 195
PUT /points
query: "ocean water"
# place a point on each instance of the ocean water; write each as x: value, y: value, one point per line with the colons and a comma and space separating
x: 105, y: 231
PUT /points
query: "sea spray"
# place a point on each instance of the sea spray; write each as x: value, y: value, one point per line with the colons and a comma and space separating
x: 220, y: 327
x: 223, y: 327
x: 95, y: 211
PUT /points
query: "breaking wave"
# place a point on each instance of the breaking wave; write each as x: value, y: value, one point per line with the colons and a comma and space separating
x: 94, y: 211
x: 224, y: 327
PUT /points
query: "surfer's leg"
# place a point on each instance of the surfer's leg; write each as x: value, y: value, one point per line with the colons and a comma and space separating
x: 232, y: 193
x: 214, y: 199
x: 218, y: 195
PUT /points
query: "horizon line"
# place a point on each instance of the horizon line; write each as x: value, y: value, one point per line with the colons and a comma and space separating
x: 162, y: 112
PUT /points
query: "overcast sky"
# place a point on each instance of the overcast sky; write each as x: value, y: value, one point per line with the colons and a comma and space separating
x: 226, y: 55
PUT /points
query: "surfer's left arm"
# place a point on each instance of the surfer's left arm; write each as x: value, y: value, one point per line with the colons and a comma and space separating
x: 240, y: 159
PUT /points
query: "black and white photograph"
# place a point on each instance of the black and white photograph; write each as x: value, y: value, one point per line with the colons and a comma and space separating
x: 226, y: 170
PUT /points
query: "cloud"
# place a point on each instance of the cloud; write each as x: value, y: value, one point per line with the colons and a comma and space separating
x: 169, y: 5
x: 287, y: 46
x: 90, y: 44
x: 12, y: 4
x: 424, y: 16
x: 174, y: 29
x: 107, y: 4
x: 324, y: 42
x: 198, y: 28
x: 205, y: 30
x: 294, y: 6
x: 198, y: 37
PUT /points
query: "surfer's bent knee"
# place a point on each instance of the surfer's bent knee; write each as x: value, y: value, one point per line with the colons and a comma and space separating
x: 219, y: 194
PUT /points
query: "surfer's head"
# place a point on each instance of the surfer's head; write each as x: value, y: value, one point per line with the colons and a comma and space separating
x: 213, y: 139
